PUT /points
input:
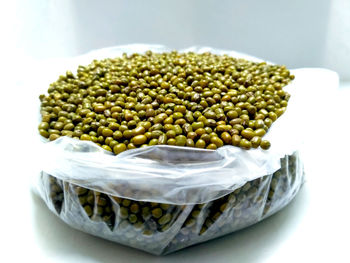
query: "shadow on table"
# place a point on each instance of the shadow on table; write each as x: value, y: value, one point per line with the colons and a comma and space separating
x: 248, y: 245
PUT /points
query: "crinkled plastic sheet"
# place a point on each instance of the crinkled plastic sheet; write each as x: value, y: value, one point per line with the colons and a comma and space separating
x: 163, y: 198
x: 164, y: 174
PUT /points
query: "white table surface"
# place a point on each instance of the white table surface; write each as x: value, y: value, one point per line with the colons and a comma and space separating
x: 314, y: 227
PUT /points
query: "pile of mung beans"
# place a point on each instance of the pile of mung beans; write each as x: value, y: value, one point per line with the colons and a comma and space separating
x: 184, y: 99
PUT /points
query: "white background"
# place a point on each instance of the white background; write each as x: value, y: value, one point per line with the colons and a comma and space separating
x: 314, y: 227
x: 297, y: 33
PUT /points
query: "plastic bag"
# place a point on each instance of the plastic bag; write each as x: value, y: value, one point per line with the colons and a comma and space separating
x: 164, y: 198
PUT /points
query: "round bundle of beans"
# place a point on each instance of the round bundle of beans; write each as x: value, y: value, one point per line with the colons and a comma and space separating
x: 182, y: 99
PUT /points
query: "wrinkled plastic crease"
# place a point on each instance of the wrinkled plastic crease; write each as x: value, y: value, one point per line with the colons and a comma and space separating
x: 164, y: 174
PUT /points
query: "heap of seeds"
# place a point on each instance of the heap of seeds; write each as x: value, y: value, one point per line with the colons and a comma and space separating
x: 184, y: 99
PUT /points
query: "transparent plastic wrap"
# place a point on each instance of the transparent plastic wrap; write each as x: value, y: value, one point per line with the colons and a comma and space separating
x: 163, y: 198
